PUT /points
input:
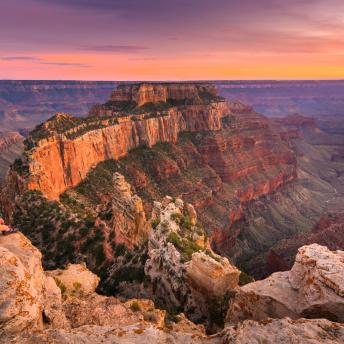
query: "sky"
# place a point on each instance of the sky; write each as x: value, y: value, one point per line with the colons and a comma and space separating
x: 171, y: 39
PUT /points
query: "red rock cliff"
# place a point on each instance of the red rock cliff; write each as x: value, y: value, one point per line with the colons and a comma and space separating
x: 153, y: 93
x: 61, y: 160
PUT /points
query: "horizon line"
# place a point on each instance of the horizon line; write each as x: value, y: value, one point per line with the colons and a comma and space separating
x: 172, y: 80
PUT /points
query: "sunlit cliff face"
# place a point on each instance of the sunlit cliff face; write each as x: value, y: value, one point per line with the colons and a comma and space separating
x: 151, y: 39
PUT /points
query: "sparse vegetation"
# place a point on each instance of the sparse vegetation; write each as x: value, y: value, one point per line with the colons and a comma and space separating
x: 19, y: 167
x: 62, y: 287
x: 135, y: 307
x: 155, y: 223
x: 186, y: 247
x: 244, y: 278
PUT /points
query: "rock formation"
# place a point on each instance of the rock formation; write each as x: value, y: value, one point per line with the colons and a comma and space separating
x: 278, y: 331
x: 186, y: 274
x: 223, y: 157
x: 313, y: 288
x: 36, y: 308
x: 27, y: 294
x: 65, y: 148
x: 128, y: 218
x: 144, y: 93
x: 35, y: 305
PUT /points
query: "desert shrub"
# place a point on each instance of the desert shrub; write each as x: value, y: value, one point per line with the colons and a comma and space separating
x: 77, y: 286
x: 244, y: 278
x: 59, y: 283
x: 155, y: 223
x: 135, y: 307
x: 186, y: 247
x: 120, y: 250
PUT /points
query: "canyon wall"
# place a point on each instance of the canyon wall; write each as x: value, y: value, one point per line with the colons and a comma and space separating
x: 11, y: 147
x: 152, y: 93
x: 222, y: 157
x: 58, y: 163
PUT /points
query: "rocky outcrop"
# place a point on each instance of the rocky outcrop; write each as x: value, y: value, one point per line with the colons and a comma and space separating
x: 63, y: 158
x: 75, y: 278
x: 35, y: 305
x: 313, y: 288
x: 278, y: 331
x: 144, y: 93
x: 185, y: 272
x: 26, y: 292
x: 33, y: 311
x: 128, y: 218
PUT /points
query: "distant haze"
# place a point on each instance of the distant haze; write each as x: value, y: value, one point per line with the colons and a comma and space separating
x: 24, y: 104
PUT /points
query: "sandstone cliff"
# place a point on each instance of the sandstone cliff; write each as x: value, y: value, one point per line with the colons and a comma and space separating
x: 144, y: 93
x: 60, y: 158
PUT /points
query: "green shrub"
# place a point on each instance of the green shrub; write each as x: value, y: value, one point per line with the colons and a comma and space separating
x: 244, y: 278
x: 155, y: 223
x: 135, y: 307
x: 62, y: 287
x: 77, y: 286
x: 120, y: 250
x: 185, y: 247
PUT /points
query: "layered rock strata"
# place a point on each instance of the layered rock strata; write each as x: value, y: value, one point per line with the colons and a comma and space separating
x: 144, y: 93
x: 61, y: 160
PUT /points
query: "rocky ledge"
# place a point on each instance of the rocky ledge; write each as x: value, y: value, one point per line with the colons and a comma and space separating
x: 313, y: 288
x: 62, y: 306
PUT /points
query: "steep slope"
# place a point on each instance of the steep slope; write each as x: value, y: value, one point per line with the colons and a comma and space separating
x: 222, y: 157
x: 11, y: 147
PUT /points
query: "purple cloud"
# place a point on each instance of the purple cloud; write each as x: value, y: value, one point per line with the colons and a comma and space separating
x: 115, y: 48
x: 20, y: 58
x: 40, y: 61
x: 67, y: 64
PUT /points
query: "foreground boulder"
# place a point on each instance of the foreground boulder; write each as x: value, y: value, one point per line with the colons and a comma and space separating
x: 314, y: 288
x: 20, y: 293
x: 75, y: 279
x: 26, y: 293
x: 285, y: 331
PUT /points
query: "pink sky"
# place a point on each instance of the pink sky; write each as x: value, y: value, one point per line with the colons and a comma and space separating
x: 174, y: 40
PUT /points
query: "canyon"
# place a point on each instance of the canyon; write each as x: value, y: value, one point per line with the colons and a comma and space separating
x: 25, y: 104
x: 177, y: 199
x: 255, y: 182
